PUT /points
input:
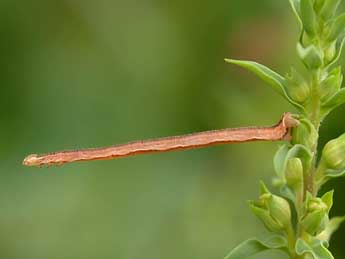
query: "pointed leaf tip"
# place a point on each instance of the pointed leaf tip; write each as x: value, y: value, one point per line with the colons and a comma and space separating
x: 276, y: 81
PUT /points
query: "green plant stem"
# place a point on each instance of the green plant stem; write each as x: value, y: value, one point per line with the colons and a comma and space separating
x: 309, y: 181
x: 315, y: 120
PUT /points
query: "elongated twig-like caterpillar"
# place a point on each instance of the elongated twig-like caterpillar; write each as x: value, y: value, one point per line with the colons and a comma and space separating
x: 281, y: 131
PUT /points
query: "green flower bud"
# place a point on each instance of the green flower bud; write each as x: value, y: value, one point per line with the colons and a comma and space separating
x: 298, y: 89
x: 279, y: 209
x: 308, y: 16
x: 270, y: 223
x: 294, y: 180
x: 337, y: 28
x: 329, y: 8
x: 316, y: 217
x: 333, y: 154
x: 294, y: 173
x: 311, y: 56
x: 331, y: 84
x: 272, y: 210
x: 330, y: 52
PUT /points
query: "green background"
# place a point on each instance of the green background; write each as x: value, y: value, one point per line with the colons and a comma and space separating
x: 78, y: 74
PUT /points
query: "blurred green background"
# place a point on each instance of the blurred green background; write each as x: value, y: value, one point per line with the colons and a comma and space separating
x: 77, y: 74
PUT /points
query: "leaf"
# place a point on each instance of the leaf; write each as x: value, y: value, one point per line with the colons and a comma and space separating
x: 318, y: 5
x: 331, y: 84
x: 334, y: 173
x: 329, y: 8
x: 285, y: 153
x: 335, y: 101
x: 331, y: 174
x: 263, y: 189
x: 317, y: 249
x: 315, y: 222
x: 308, y: 16
x: 295, y: 8
x: 337, y: 27
x: 269, y: 76
x: 288, y: 193
x: 301, y: 152
x: 280, y: 158
x: 327, y: 198
x: 331, y: 227
x: 254, y: 246
x: 305, y: 133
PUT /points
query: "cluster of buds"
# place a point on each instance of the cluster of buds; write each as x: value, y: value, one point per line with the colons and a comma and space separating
x: 316, y: 213
x: 272, y: 210
x: 319, y: 47
x: 318, y: 44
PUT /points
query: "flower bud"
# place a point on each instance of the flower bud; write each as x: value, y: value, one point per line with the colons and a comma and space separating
x: 272, y: 210
x: 331, y: 84
x: 333, y: 154
x: 316, y: 217
x: 330, y: 52
x: 311, y: 56
x: 298, y: 88
x: 294, y: 173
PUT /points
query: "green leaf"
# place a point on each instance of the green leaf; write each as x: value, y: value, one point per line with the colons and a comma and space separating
x: 269, y: 76
x: 315, y: 222
x: 301, y: 152
x: 295, y: 4
x: 331, y: 174
x: 254, y: 246
x: 263, y: 188
x: 331, y: 227
x: 318, y: 5
x: 331, y: 84
x: 308, y: 17
x: 337, y: 100
x: 285, y: 153
x: 327, y: 198
x: 317, y: 249
x: 337, y: 28
x: 334, y: 173
x: 329, y: 8
x: 288, y: 193
x: 280, y: 158
x: 305, y: 133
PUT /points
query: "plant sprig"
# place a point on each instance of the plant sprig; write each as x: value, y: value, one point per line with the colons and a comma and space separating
x: 299, y: 175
